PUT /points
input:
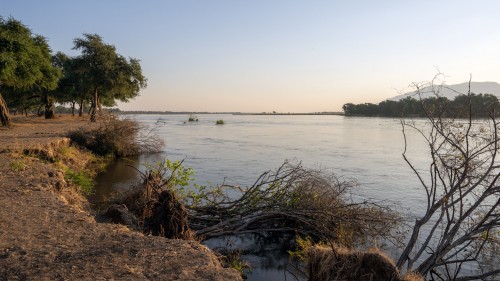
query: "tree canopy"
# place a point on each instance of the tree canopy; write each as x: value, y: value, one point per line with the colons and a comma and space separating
x: 108, y: 75
x: 31, y: 76
x: 25, y: 64
x: 479, y: 105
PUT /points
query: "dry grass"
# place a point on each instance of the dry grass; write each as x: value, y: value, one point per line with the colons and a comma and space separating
x: 340, y: 263
x: 45, y: 239
x: 118, y: 138
x: 412, y: 276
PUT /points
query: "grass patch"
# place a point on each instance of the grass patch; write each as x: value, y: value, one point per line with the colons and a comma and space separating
x: 68, y: 152
x: 17, y: 166
x: 232, y: 259
x: 82, y: 180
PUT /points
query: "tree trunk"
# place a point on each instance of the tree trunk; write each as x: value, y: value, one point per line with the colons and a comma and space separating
x: 49, y: 107
x: 93, y: 107
x: 4, y: 112
x: 39, y: 111
x: 73, y: 103
x: 92, y: 111
x: 99, y: 106
x: 80, y: 110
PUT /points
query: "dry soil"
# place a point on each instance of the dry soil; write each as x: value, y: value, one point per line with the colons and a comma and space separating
x: 47, y: 233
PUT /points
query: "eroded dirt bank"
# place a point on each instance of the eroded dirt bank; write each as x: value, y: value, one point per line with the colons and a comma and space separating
x: 47, y: 233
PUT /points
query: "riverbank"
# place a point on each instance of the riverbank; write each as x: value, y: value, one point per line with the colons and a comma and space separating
x: 47, y: 230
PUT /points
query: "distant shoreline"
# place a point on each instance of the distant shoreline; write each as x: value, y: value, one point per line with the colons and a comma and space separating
x: 316, y: 113
x: 228, y: 113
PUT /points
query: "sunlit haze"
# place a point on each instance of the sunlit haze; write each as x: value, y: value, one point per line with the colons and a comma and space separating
x: 285, y: 56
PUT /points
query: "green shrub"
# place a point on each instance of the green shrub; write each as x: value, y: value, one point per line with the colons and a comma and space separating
x: 220, y: 122
x: 81, y: 179
x: 232, y: 259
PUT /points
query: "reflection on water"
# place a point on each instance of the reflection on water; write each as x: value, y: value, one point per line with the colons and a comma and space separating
x: 268, y: 256
x: 367, y: 149
x: 119, y: 176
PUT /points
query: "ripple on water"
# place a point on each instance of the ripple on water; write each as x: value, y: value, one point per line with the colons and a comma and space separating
x: 367, y: 149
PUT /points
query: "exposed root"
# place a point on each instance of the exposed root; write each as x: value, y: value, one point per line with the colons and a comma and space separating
x: 159, y: 210
x: 167, y: 217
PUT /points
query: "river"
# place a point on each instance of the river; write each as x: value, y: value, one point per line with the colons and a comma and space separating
x: 366, y: 149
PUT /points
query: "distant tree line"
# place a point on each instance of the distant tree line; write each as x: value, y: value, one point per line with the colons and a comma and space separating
x: 32, y: 78
x: 479, y: 105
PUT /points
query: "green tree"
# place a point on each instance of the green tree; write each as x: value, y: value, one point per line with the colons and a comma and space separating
x: 480, y: 105
x: 41, y: 93
x: 18, y: 102
x: 23, y: 61
x: 44, y: 88
x: 72, y: 88
x: 349, y: 109
x: 109, y: 76
x: 390, y: 108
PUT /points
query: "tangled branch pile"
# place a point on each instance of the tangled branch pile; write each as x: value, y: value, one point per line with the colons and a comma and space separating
x: 291, y: 199
x: 118, y: 138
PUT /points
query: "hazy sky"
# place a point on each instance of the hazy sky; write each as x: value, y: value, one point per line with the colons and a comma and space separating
x: 283, y: 55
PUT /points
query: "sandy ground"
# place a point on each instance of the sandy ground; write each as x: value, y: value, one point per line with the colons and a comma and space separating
x: 46, y: 233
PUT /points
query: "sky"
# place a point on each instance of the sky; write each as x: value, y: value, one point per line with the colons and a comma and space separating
x: 278, y: 55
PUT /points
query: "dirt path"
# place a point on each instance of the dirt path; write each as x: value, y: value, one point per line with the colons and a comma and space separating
x: 46, y: 235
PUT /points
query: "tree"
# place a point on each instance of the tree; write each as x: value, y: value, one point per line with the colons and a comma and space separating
x: 109, y: 75
x: 390, y: 108
x: 436, y: 105
x: 480, y: 104
x: 22, y: 60
x: 349, y: 109
x: 72, y: 87
x: 41, y: 93
x: 44, y: 88
x: 461, y: 221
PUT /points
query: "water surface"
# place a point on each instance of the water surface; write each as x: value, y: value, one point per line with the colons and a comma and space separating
x: 367, y: 149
